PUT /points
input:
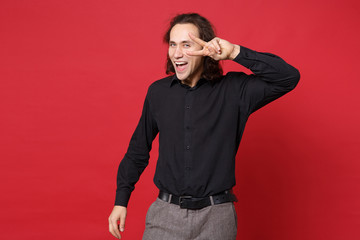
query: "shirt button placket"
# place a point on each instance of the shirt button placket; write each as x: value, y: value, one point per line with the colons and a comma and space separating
x: 187, y: 134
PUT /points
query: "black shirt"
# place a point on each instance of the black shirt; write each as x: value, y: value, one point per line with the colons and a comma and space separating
x: 200, y: 127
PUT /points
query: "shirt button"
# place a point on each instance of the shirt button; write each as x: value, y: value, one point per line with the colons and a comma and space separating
x: 187, y: 147
x: 187, y: 107
x: 187, y: 168
x: 187, y: 127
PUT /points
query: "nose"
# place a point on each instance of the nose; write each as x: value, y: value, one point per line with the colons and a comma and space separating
x: 178, y: 52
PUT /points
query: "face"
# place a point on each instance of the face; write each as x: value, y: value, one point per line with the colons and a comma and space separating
x: 187, y: 68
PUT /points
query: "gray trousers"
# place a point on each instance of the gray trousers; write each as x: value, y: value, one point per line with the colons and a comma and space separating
x: 166, y: 221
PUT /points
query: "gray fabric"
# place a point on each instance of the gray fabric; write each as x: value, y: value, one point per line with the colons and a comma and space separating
x: 166, y: 221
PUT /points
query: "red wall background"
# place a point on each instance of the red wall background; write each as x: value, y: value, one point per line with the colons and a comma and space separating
x: 73, y: 77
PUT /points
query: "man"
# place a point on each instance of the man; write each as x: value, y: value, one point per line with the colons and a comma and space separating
x: 200, y: 116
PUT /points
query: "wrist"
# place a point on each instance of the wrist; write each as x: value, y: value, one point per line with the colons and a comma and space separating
x: 235, y: 52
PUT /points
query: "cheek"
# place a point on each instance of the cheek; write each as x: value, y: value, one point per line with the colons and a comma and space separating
x: 170, y: 52
x: 197, y: 61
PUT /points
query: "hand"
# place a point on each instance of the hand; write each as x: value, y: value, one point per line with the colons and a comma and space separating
x: 217, y: 48
x: 118, y: 213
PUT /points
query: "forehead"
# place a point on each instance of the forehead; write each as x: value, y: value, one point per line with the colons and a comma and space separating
x: 180, y: 32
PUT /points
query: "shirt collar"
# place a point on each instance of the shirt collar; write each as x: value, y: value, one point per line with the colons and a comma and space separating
x: 174, y: 80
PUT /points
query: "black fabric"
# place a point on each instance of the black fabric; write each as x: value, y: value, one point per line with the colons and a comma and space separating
x: 200, y: 127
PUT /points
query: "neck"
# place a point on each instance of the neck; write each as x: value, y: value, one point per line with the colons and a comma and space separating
x: 193, y: 80
x: 191, y: 83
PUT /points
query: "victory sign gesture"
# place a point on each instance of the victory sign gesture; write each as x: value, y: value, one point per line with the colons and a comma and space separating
x: 217, y: 48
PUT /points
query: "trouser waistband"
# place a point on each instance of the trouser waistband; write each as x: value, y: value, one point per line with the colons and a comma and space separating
x: 193, y: 203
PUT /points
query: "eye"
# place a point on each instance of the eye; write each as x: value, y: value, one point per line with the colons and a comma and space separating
x: 172, y: 44
x: 187, y: 45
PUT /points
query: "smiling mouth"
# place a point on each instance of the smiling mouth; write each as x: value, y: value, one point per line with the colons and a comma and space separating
x: 180, y: 66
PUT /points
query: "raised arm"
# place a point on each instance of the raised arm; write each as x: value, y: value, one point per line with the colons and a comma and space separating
x: 272, y: 77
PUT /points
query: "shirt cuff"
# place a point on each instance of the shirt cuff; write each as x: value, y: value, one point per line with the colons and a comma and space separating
x: 122, y: 198
x: 245, y: 57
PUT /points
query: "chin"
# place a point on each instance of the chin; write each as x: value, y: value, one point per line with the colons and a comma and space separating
x: 181, y: 76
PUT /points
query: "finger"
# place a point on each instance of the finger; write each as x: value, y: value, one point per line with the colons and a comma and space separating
x: 122, y: 223
x: 197, y: 40
x: 114, y: 231
x: 113, y: 228
x: 209, y: 50
x: 196, y: 53
x: 217, y: 45
x: 212, y: 48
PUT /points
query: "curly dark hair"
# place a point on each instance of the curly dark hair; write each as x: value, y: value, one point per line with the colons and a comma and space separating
x: 212, y: 68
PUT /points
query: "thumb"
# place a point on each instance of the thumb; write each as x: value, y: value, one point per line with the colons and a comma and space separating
x: 122, y: 222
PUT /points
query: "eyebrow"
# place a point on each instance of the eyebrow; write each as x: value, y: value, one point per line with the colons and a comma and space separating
x: 185, y: 41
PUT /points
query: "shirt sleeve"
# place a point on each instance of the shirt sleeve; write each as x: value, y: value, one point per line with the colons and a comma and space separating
x: 272, y: 78
x: 137, y: 156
